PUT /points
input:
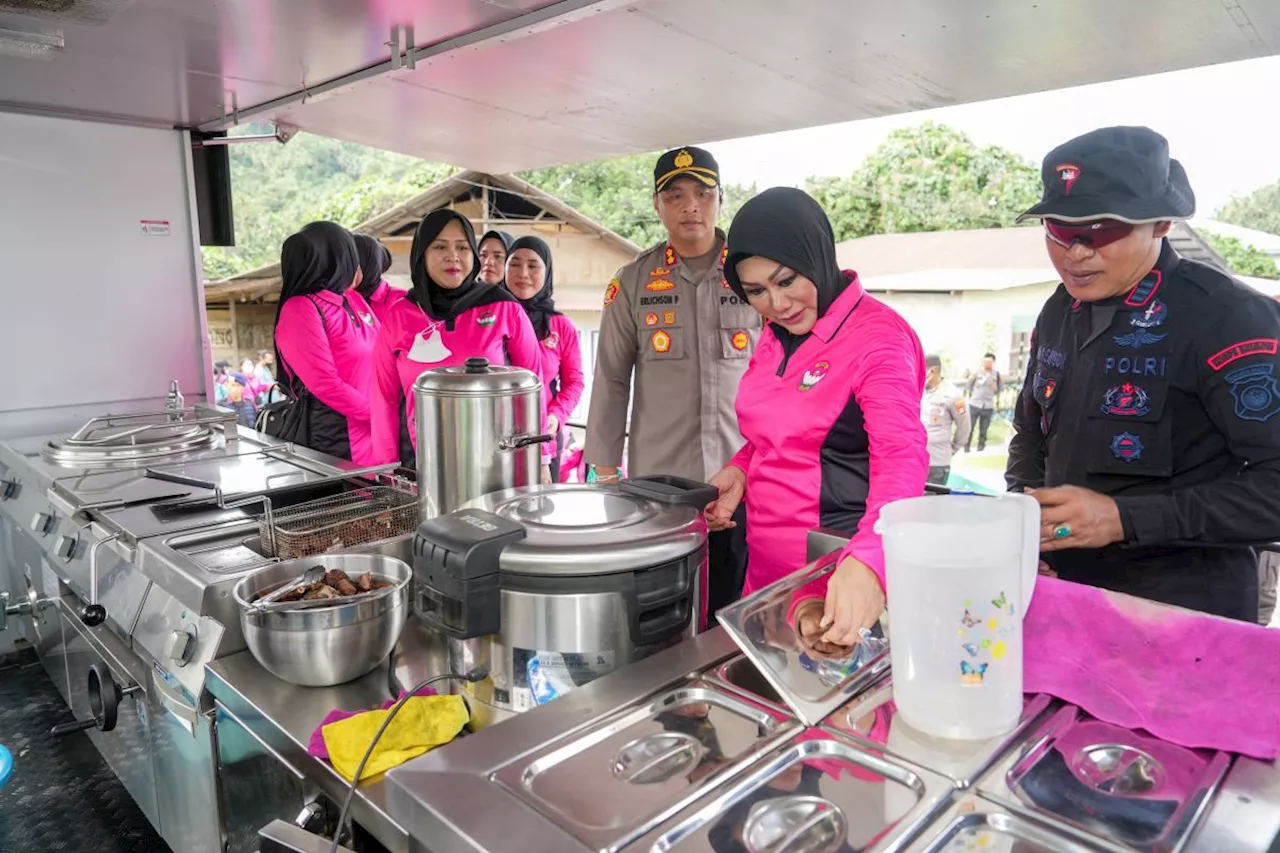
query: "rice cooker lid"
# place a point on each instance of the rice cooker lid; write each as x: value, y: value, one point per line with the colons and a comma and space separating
x: 576, y: 530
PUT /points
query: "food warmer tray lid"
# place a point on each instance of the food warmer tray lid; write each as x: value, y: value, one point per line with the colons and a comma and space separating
x: 612, y: 782
x: 1123, y: 787
x: 576, y: 530
x: 817, y: 792
x: 873, y: 721
x: 812, y: 686
x: 977, y: 825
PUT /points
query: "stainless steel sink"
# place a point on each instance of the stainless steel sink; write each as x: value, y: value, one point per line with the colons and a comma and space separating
x: 741, y: 675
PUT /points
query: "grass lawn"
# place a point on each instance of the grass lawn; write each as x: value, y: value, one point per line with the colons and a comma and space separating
x: 985, y: 462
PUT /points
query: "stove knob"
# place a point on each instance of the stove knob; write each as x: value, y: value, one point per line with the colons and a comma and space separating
x: 68, y: 548
x: 9, y: 489
x: 42, y: 523
x: 178, y: 646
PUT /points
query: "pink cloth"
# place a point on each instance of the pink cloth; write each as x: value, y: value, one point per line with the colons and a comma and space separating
x: 856, y: 383
x: 316, y: 746
x: 332, y: 357
x: 562, y: 360
x: 1188, y: 678
x: 382, y: 298
x: 499, y: 331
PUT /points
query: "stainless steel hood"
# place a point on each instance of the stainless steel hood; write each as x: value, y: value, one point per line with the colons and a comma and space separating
x: 504, y: 85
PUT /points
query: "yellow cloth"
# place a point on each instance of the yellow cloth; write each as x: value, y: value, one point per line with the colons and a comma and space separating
x: 424, y: 723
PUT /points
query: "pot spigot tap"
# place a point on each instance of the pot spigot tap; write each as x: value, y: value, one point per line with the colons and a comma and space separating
x: 174, y: 403
x: 32, y: 603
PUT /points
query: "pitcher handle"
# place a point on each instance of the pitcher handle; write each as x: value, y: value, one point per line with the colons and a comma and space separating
x: 1030, y: 544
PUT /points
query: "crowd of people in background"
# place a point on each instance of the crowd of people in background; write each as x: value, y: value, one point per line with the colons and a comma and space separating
x: 245, y: 390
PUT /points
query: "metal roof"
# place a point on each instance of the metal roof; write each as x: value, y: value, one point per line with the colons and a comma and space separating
x: 509, y: 85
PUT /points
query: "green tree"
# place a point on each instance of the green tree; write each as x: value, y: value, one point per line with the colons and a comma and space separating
x: 1242, y: 259
x: 618, y: 193
x: 367, y: 198
x: 1259, y: 210
x: 279, y: 188
x: 928, y: 178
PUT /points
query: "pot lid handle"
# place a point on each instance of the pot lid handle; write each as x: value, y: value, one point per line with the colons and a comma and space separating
x: 670, y: 491
x: 477, y: 365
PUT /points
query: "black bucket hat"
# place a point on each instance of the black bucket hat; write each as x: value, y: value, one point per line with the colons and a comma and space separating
x: 1122, y: 173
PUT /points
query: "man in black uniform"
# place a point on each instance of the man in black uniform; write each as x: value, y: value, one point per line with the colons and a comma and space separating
x: 1148, y: 425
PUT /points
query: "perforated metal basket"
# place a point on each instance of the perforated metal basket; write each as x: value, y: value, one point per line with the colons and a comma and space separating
x: 340, y: 522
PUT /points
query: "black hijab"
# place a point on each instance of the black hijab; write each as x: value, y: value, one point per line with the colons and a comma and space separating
x: 502, y: 237
x: 440, y: 302
x: 541, y: 306
x: 322, y: 256
x: 375, y: 260
x: 786, y: 225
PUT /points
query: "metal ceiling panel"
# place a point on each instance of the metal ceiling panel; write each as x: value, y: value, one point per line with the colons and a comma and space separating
x: 170, y: 62
x: 505, y: 85
x: 652, y: 74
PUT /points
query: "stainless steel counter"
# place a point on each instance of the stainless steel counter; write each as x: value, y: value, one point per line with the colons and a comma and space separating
x: 482, y: 791
x: 448, y: 801
x: 283, y: 716
x: 461, y: 798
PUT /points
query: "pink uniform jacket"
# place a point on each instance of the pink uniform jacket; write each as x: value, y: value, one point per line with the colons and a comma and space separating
x: 332, y: 356
x: 833, y: 434
x: 410, y: 342
x: 562, y: 360
x: 382, y: 297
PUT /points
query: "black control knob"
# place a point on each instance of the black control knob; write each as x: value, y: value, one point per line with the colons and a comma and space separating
x: 93, y: 614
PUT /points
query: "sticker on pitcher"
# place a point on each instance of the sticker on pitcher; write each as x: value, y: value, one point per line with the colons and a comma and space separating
x: 980, y: 630
x: 971, y: 675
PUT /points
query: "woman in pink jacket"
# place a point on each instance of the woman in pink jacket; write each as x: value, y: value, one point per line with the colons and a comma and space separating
x: 529, y: 280
x: 829, y: 408
x: 448, y: 317
x: 375, y: 260
x: 324, y: 339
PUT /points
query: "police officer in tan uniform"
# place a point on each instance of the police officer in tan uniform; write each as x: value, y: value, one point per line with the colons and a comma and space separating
x: 671, y: 322
x: 946, y: 420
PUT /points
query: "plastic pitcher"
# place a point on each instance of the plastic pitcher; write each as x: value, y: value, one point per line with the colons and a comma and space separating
x: 960, y: 571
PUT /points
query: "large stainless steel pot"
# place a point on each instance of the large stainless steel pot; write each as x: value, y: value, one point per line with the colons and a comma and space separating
x: 479, y: 430
x: 327, y: 645
x: 550, y: 587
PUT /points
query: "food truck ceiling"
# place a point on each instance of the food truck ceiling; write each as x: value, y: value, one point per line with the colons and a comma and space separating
x: 506, y: 85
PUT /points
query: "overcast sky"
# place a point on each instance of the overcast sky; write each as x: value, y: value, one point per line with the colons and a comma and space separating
x: 1222, y: 122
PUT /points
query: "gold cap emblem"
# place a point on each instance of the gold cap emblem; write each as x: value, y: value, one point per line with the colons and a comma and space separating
x: 684, y: 160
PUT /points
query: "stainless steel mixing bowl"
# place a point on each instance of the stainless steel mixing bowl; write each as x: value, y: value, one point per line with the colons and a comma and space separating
x: 332, y: 644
